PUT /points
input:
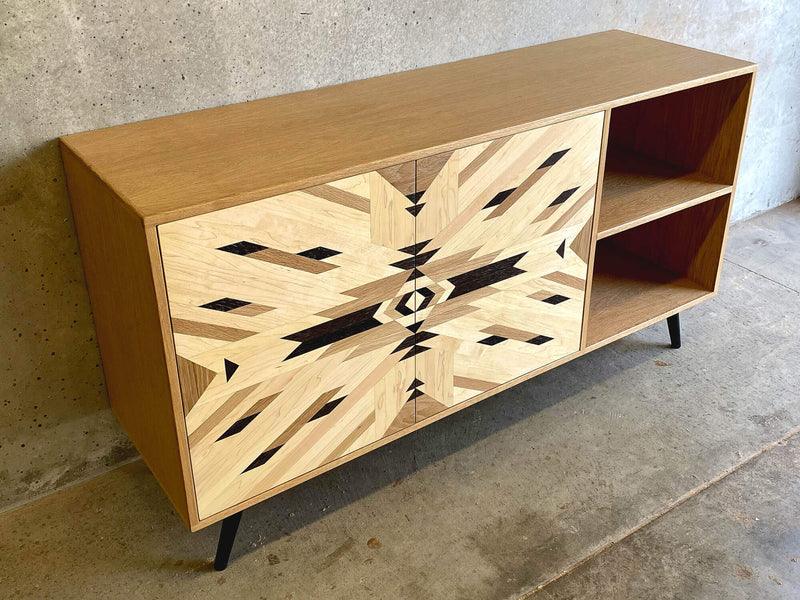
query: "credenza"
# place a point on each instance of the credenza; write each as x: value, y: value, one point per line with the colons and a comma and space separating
x: 282, y: 285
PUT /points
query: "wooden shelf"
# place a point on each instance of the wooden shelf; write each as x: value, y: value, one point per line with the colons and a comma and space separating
x: 638, y: 189
x: 629, y: 292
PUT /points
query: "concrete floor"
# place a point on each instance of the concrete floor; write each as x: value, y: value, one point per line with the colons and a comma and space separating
x: 738, y: 539
x: 512, y: 495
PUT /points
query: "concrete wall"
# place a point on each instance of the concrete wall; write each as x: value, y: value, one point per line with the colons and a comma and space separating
x: 68, y: 66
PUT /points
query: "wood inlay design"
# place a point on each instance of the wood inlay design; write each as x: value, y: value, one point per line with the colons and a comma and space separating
x: 292, y: 318
x: 313, y: 323
x: 506, y: 227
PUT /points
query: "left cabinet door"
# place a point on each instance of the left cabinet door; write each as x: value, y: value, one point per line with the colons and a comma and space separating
x: 293, y: 325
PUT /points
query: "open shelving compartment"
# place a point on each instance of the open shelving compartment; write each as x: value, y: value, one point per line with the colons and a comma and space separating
x: 672, y: 151
x: 664, y: 205
x: 651, y: 271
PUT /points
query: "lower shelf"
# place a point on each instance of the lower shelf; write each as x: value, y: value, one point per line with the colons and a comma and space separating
x: 628, y: 291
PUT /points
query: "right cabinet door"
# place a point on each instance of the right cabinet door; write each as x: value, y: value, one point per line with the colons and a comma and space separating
x: 503, y: 231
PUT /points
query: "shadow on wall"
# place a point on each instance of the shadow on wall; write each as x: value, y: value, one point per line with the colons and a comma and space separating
x: 55, y: 426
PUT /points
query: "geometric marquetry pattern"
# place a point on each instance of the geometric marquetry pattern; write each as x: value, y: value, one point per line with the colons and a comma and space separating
x: 311, y: 324
x: 504, y: 227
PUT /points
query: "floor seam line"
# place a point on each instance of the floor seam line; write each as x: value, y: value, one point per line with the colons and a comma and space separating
x: 685, y: 498
x: 783, y: 285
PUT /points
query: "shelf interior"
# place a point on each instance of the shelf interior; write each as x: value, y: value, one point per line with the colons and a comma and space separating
x: 652, y: 270
x: 628, y: 290
x: 671, y: 152
x: 638, y: 188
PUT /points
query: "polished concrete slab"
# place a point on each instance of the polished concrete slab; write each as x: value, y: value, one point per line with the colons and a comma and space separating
x: 738, y: 539
x: 488, y: 504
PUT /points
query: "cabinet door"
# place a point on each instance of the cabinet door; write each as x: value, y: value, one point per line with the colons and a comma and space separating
x: 503, y: 232
x: 293, y: 326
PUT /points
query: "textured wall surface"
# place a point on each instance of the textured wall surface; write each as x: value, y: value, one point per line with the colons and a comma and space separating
x: 68, y: 66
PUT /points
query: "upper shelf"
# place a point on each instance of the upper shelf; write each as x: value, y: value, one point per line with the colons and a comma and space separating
x: 638, y: 189
x: 178, y: 166
x: 671, y: 152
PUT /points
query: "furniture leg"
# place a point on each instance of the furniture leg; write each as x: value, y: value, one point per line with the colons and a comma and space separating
x: 674, y: 325
x: 227, y: 535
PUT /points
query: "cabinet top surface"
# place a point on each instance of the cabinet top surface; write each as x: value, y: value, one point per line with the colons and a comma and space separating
x: 181, y: 165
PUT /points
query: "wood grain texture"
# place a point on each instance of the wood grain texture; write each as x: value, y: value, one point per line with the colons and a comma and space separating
x: 593, y: 226
x: 672, y: 152
x: 328, y: 368
x: 500, y: 287
x: 629, y: 292
x: 184, y: 165
x: 120, y: 270
x: 638, y: 189
x: 403, y: 310
x: 656, y: 269
x: 387, y: 238
x: 688, y: 242
x: 697, y: 130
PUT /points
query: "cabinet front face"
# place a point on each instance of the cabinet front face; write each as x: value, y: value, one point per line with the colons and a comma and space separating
x: 503, y: 231
x: 293, y: 324
x: 311, y: 324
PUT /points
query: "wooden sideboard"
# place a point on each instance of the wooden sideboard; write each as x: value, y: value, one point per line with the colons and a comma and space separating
x: 283, y: 285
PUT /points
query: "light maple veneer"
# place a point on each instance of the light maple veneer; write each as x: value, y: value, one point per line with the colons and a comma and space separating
x: 283, y: 285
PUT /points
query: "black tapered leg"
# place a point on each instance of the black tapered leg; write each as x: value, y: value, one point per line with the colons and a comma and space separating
x: 227, y: 535
x: 674, y: 325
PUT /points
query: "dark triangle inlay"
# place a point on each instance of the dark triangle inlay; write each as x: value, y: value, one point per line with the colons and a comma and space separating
x: 262, y: 459
x: 414, y: 274
x: 414, y: 351
x: 242, y: 248
x: 414, y: 210
x: 414, y: 384
x: 230, y: 369
x: 237, y: 427
x: 328, y: 408
x: 485, y: 276
x: 498, y: 199
x: 406, y: 343
x: 406, y: 263
x: 414, y: 339
x: 415, y: 394
x: 553, y: 159
x: 561, y: 249
x: 416, y: 196
x: 225, y: 304
x: 555, y: 299
x: 563, y: 196
x: 334, y: 330
x: 539, y: 340
x: 318, y: 253
x: 414, y: 326
x: 415, y: 248
x: 424, y: 257
x: 492, y: 340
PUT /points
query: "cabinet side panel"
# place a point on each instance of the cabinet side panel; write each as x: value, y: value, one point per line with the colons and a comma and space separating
x: 120, y: 280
